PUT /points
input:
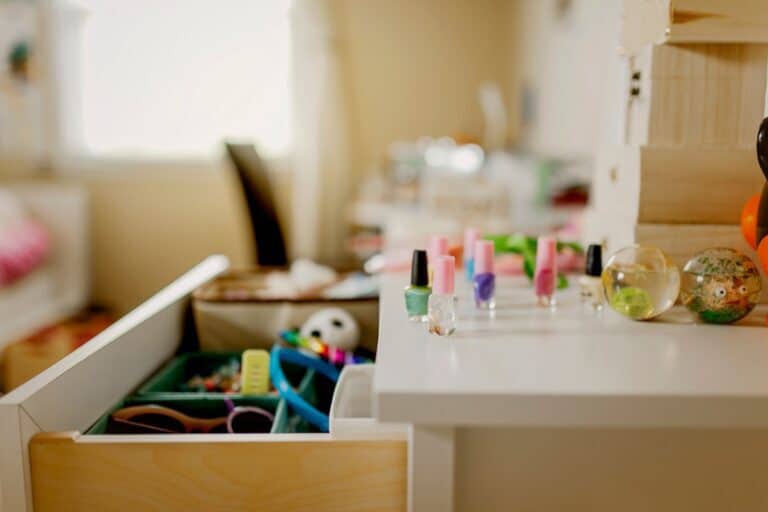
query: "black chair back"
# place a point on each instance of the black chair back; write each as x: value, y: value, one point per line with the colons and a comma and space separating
x: 267, y: 234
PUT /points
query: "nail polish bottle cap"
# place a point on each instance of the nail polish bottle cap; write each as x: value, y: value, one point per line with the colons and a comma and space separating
x: 470, y: 237
x: 442, y: 280
x: 419, y: 275
x: 546, y: 253
x: 594, y: 265
x: 438, y: 246
x: 483, y: 257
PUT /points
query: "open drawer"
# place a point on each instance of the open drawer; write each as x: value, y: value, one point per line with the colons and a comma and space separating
x: 47, y: 464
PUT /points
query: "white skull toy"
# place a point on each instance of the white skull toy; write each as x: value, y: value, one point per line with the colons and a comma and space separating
x: 334, y: 326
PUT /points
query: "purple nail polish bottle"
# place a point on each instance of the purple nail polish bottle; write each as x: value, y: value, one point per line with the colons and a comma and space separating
x: 484, y: 279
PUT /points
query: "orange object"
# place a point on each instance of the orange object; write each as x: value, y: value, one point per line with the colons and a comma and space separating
x: 762, y: 253
x: 749, y: 220
x: 25, y: 358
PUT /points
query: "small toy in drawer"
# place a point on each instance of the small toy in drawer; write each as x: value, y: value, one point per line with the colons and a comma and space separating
x: 224, y: 379
x: 332, y: 334
x: 255, y: 372
x: 197, y: 372
x: 335, y: 327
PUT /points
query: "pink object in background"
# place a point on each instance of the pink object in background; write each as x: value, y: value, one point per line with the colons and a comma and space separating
x: 23, y: 247
x: 438, y: 246
x: 444, y: 277
x: 509, y: 264
x: 546, y: 269
x: 569, y: 260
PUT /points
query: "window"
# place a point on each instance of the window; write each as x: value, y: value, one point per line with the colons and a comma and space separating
x: 147, y: 79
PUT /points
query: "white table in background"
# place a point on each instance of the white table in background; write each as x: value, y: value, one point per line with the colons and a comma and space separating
x: 528, y: 371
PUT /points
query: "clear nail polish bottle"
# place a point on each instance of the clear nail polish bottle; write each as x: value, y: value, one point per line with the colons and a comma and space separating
x: 442, y: 301
x: 484, y: 280
x: 590, y: 284
x: 545, y: 276
x: 418, y: 292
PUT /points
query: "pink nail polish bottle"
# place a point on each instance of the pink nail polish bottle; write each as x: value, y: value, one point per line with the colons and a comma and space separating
x: 438, y: 246
x: 545, y: 276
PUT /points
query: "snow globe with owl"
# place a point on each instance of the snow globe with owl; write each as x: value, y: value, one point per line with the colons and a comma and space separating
x: 720, y: 285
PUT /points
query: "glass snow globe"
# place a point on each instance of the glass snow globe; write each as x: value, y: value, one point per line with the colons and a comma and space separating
x: 641, y: 282
x: 720, y: 285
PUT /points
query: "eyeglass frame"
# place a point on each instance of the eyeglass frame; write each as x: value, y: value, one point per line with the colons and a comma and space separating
x: 190, y: 423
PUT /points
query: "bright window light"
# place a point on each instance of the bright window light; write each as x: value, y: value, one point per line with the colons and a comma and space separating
x: 163, y: 79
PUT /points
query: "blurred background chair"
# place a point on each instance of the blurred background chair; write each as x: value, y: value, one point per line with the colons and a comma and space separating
x: 265, y: 225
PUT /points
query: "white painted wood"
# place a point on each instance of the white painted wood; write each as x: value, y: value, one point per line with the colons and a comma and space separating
x: 16, y: 429
x: 73, y: 393
x: 431, y: 469
x: 352, y: 414
x: 566, y: 367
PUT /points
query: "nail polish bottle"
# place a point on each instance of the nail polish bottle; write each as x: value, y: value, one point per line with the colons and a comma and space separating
x: 590, y: 284
x: 438, y: 246
x: 417, y: 293
x: 442, y: 301
x: 545, y: 276
x: 470, y: 237
x: 484, y: 279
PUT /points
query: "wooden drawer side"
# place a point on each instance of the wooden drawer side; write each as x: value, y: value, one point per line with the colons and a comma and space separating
x: 277, y: 472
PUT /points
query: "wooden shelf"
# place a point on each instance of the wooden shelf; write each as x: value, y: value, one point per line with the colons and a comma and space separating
x: 688, y: 21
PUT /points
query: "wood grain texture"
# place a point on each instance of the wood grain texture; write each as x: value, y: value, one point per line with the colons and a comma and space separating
x: 274, y: 474
x: 681, y: 241
x: 698, y: 95
x: 675, y: 185
x: 687, y: 21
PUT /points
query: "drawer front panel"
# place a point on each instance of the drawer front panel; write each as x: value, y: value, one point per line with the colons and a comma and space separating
x: 272, y: 472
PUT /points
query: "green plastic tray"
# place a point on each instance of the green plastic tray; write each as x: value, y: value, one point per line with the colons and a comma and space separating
x: 209, y: 405
x: 167, y: 381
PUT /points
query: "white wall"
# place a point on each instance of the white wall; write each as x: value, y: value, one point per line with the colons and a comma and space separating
x: 571, y: 64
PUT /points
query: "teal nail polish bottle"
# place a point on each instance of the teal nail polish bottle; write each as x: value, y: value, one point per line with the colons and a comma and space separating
x: 418, y: 292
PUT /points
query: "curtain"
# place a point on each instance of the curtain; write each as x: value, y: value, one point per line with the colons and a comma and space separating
x: 322, y: 182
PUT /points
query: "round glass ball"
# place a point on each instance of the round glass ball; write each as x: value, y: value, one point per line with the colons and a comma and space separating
x: 641, y: 282
x: 720, y: 285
